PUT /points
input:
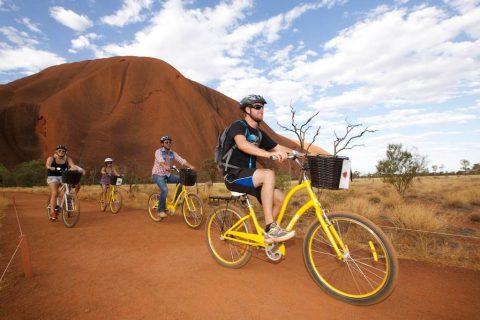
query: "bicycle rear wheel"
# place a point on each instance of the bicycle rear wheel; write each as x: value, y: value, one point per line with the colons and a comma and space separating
x: 116, y: 202
x: 368, y: 271
x: 192, y: 210
x: 228, y: 253
x: 70, y: 210
x: 101, y: 200
x: 153, y: 206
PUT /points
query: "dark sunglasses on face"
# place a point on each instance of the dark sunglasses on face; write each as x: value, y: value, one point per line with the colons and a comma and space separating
x: 257, y: 106
x: 108, y: 162
x: 61, y: 150
x: 167, y: 142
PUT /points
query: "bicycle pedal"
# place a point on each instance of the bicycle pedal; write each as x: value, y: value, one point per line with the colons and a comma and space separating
x: 57, y: 209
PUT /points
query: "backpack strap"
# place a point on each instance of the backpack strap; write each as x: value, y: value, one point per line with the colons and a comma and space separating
x: 228, y: 154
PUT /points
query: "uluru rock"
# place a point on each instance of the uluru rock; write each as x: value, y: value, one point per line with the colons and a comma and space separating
x: 116, y: 107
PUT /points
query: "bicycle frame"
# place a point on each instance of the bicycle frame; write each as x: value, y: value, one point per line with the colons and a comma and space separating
x: 109, y: 194
x: 65, y: 189
x: 256, y: 238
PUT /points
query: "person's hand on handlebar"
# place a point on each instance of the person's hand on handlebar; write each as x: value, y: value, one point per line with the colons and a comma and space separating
x: 280, y: 156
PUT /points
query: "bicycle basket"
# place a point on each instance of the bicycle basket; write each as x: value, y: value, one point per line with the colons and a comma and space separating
x: 71, y: 177
x: 188, y: 177
x: 116, y: 180
x: 325, y: 171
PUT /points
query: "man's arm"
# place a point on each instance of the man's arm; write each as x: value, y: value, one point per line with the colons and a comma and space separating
x: 279, y: 151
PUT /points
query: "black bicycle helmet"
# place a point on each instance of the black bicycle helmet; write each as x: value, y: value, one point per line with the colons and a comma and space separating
x: 165, y: 138
x: 251, y: 99
x: 61, y: 147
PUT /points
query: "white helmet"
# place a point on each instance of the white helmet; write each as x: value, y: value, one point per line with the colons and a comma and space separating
x: 108, y: 160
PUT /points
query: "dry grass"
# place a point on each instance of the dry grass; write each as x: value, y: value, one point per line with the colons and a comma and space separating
x: 436, y: 221
x: 4, y: 202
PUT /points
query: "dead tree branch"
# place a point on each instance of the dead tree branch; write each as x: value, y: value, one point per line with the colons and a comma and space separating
x: 337, y: 147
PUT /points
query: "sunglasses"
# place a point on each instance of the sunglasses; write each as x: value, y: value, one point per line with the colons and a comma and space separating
x: 257, y: 106
x: 108, y: 162
x: 167, y: 142
x: 61, y: 150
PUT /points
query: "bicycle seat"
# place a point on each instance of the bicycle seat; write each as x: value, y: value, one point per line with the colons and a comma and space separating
x: 237, y: 194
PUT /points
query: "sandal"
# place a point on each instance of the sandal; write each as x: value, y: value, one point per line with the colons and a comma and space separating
x: 54, y: 218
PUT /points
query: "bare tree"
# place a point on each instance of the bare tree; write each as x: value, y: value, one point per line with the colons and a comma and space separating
x: 337, y: 147
x: 301, y: 129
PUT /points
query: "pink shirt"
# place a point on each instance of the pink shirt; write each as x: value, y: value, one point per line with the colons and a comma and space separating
x: 158, y: 169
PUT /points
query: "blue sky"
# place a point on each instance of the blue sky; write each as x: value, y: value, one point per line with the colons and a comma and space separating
x: 409, y: 69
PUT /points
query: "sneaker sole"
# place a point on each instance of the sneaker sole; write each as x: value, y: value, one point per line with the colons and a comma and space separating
x: 280, y: 239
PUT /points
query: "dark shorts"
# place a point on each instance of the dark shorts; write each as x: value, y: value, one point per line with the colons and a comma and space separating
x: 241, y: 180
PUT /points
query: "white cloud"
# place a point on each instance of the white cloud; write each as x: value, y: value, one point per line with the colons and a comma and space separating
x: 416, y: 117
x: 30, y: 25
x: 7, y: 6
x: 17, y: 37
x: 26, y: 60
x: 397, y: 56
x: 211, y: 43
x: 84, y: 42
x: 130, y: 12
x: 70, y: 19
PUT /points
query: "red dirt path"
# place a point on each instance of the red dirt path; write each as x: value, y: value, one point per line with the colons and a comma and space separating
x: 126, y: 266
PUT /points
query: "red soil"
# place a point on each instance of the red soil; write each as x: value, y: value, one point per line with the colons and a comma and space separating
x: 126, y: 266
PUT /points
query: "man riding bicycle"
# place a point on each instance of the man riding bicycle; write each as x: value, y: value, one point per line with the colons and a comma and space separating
x: 164, y: 158
x: 248, y: 142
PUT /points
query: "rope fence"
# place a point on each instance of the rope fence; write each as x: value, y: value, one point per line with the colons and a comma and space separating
x: 432, y: 232
x: 23, y: 245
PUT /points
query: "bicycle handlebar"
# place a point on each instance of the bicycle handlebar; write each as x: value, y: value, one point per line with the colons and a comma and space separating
x: 174, y: 168
x: 294, y: 155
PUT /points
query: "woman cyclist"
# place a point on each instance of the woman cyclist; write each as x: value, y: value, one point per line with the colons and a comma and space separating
x: 56, y: 164
x: 107, y: 171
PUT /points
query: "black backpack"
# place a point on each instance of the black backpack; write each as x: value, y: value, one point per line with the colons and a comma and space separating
x: 222, y: 156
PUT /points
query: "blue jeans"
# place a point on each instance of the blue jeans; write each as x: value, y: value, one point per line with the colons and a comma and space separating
x: 161, y: 182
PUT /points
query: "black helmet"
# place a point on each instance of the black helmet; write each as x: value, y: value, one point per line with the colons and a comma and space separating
x: 251, y: 99
x: 61, y: 147
x: 165, y: 138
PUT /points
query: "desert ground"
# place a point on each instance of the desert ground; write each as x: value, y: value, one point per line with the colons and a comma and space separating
x: 126, y: 266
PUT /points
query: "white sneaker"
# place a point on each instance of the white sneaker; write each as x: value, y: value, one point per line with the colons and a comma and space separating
x: 162, y: 214
x: 278, y: 234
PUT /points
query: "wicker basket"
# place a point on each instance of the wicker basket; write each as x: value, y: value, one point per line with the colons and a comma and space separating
x: 71, y: 177
x: 188, y: 177
x: 325, y: 171
x: 116, y: 180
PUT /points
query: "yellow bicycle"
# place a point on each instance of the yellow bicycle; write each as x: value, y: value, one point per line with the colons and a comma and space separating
x: 113, y: 197
x: 347, y: 255
x: 192, y: 205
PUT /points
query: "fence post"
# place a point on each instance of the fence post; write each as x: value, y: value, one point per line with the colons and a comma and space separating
x: 27, y: 267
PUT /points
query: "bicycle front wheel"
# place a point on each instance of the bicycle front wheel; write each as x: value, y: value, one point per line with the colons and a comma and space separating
x: 48, y: 208
x: 70, y: 210
x: 192, y: 210
x: 153, y: 206
x: 116, y: 201
x: 367, y: 272
x: 226, y: 252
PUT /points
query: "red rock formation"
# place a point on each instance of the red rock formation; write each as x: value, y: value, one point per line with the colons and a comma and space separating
x: 117, y: 107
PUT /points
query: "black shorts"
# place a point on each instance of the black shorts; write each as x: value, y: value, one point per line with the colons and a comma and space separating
x: 241, y: 180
